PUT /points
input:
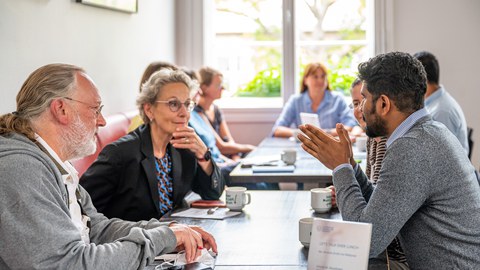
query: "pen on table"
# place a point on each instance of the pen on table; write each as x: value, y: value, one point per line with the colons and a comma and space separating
x: 212, y: 210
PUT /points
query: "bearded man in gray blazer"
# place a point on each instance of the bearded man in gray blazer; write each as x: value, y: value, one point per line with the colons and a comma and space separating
x: 427, y: 192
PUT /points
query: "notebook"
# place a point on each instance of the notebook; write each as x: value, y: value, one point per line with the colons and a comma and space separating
x: 208, y: 204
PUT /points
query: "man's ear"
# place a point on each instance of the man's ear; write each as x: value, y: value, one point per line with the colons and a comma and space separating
x: 384, y: 105
x: 59, y: 110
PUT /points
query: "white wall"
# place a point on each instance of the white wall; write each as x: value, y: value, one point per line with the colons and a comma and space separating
x: 113, y: 47
x: 450, y: 30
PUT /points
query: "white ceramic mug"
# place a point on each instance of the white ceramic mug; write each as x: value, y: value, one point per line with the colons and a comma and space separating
x: 236, y: 198
x: 361, y: 143
x: 305, y: 231
x: 289, y: 156
x: 321, y: 199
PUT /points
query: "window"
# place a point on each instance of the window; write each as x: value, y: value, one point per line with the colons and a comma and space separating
x: 248, y: 47
x: 333, y: 33
x: 261, y: 46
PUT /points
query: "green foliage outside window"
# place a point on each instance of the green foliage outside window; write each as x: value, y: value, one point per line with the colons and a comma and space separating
x: 267, y: 83
x: 341, y: 78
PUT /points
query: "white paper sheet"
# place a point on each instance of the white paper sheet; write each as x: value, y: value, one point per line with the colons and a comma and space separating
x: 202, y: 213
x: 260, y: 160
x: 273, y: 169
x: 337, y: 244
x: 310, y: 118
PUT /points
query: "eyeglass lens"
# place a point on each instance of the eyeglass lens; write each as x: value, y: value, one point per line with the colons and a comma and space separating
x: 175, y: 105
x: 97, y: 110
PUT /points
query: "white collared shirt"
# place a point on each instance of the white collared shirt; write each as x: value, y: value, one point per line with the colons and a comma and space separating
x: 71, y: 182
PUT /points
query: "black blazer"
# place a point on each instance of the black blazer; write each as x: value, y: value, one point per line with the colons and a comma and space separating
x: 122, y: 181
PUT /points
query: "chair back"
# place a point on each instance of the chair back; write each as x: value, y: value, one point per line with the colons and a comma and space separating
x: 116, y: 127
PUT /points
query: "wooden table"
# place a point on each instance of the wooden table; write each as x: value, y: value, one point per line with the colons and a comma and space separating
x: 307, y: 168
x: 265, y: 235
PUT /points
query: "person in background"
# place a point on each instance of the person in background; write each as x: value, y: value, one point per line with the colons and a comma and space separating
x: 194, y: 76
x: 439, y: 103
x: 376, y: 148
x: 47, y: 220
x: 211, y: 88
x: 427, y: 192
x: 151, y: 68
x: 205, y: 130
x: 315, y: 97
x: 226, y: 164
x: 148, y: 172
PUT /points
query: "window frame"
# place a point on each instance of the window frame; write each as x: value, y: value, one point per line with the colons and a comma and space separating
x: 192, y: 40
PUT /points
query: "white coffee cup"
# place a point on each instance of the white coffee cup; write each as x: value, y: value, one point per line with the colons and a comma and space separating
x: 361, y: 143
x: 236, y: 198
x: 321, y: 199
x: 305, y: 231
x: 289, y: 156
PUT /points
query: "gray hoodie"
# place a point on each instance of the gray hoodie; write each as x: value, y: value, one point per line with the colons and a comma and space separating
x: 36, y: 230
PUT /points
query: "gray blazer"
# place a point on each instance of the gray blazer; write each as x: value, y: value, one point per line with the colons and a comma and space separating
x: 427, y: 192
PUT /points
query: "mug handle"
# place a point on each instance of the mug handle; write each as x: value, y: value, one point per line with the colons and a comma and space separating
x: 249, y: 198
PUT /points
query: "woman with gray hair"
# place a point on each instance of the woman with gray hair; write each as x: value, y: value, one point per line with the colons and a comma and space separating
x: 57, y: 114
x: 149, y: 171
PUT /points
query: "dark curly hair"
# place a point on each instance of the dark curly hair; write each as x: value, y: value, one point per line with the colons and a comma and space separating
x: 399, y: 76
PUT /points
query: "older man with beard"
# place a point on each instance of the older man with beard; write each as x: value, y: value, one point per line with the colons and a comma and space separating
x: 426, y: 192
x: 47, y: 221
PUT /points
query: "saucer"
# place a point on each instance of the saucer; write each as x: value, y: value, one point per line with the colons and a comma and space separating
x: 322, y: 210
x: 305, y: 244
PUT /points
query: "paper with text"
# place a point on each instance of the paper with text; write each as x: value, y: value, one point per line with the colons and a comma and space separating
x: 310, y: 118
x: 337, y: 244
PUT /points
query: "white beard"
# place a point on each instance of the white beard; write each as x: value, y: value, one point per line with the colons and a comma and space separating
x: 78, y: 140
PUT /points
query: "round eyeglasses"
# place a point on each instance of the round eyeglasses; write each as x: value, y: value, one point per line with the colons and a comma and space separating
x: 174, y: 104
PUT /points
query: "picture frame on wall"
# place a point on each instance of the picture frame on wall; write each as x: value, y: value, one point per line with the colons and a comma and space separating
x: 128, y: 6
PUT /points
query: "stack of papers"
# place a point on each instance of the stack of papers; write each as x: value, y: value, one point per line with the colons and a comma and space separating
x: 202, y: 213
x: 248, y: 162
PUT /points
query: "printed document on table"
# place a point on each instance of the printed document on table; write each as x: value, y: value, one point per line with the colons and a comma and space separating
x: 337, y: 244
x: 273, y: 169
x: 260, y: 160
x: 202, y: 213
